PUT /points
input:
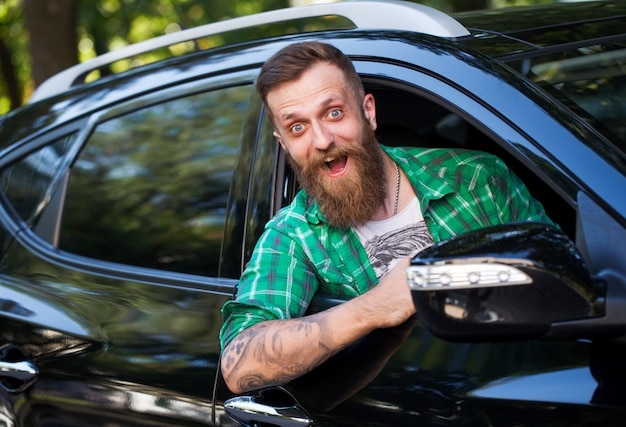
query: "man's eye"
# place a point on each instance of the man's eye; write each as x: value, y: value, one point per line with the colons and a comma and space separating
x: 297, y: 128
x: 334, y: 113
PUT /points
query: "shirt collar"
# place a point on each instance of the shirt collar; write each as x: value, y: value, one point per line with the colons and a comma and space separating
x: 426, y: 183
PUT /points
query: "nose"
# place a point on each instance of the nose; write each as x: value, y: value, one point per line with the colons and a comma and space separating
x: 322, y: 136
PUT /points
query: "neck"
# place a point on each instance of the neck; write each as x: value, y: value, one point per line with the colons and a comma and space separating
x: 391, y: 205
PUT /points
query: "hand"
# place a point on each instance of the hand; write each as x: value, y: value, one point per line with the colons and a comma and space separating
x: 390, y: 302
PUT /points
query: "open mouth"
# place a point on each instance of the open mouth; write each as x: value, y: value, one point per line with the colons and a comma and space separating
x: 335, y: 165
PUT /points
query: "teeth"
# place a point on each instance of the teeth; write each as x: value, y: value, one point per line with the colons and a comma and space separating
x: 328, y: 159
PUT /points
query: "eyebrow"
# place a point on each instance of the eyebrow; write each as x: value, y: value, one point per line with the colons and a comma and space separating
x: 324, y: 104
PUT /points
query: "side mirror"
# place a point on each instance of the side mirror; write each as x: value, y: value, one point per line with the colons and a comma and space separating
x: 511, y: 281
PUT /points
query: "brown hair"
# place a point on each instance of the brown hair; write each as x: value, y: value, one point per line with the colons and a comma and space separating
x: 289, y: 63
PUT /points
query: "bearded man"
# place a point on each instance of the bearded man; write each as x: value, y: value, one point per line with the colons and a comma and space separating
x: 363, y: 212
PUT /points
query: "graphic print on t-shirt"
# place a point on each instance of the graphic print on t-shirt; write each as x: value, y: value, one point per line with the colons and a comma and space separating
x: 388, y: 241
x: 407, y: 241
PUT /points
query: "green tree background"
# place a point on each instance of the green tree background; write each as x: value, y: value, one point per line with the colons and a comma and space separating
x: 81, y: 29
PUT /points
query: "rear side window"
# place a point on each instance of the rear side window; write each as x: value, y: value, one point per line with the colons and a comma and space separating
x: 29, y: 182
x: 150, y: 188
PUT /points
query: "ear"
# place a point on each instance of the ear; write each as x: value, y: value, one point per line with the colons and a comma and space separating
x: 369, y: 108
x: 280, y: 140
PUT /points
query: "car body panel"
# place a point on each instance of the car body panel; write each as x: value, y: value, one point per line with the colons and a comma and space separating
x: 125, y: 336
x: 121, y: 344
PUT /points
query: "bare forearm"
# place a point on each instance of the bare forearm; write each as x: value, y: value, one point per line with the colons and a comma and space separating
x: 275, y: 352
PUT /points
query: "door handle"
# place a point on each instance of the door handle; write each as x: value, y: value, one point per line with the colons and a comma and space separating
x: 274, y: 406
x: 17, y: 373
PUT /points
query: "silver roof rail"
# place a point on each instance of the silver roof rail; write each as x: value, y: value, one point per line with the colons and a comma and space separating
x: 381, y: 14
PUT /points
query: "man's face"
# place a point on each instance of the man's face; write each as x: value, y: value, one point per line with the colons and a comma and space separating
x: 328, y: 135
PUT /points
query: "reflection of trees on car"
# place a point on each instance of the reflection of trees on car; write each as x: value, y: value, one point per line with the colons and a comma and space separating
x: 152, y: 186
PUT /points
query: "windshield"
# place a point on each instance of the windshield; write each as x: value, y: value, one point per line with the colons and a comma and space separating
x: 591, y: 80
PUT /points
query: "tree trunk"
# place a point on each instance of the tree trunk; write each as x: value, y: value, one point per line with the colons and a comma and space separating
x: 53, y: 40
x: 10, y: 76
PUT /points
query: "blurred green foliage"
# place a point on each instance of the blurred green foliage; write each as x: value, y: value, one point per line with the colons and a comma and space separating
x: 13, y: 42
x: 104, y: 25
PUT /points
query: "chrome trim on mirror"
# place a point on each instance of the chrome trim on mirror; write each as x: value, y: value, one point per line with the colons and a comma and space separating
x: 471, y: 275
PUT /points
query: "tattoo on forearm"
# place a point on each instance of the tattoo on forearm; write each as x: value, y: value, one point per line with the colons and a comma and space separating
x: 265, y: 348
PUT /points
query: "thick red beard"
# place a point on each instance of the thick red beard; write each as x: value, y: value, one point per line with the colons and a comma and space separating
x: 353, y: 199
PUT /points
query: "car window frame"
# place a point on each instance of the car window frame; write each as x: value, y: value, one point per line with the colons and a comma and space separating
x: 437, y: 89
x: 42, y: 241
x: 475, y: 111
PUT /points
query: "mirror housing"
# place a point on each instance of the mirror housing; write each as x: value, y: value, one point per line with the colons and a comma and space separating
x: 511, y: 281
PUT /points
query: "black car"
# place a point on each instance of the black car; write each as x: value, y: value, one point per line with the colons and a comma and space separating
x: 130, y: 203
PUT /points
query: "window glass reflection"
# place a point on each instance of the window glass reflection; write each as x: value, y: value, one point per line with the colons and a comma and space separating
x: 591, y: 80
x: 150, y: 188
x: 28, y: 182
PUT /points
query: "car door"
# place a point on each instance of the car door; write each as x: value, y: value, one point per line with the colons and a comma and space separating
x: 406, y: 375
x: 119, y: 249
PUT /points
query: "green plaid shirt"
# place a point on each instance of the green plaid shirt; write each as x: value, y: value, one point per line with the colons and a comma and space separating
x: 299, y: 254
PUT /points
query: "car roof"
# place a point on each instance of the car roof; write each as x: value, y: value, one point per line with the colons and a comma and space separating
x: 504, y: 33
x: 388, y: 14
x: 499, y: 34
x: 514, y: 32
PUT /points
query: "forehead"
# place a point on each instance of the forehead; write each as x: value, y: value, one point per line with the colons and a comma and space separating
x: 321, y: 84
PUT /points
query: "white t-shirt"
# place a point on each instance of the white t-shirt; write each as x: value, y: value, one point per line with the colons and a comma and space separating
x: 387, y: 241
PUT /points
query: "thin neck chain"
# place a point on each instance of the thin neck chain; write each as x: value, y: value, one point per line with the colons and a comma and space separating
x: 395, y: 205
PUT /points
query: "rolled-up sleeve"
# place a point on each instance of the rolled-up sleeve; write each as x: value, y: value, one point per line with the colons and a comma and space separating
x: 278, y: 283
